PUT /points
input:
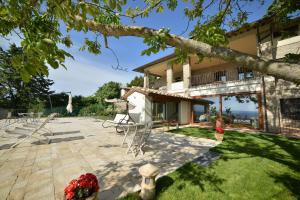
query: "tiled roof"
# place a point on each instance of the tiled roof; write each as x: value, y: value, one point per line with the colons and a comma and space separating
x: 148, y: 91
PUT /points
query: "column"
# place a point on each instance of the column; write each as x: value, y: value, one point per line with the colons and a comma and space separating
x: 146, y: 79
x: 220, y: 106
x: 186, y: 68
x: 260, y: 111
x: 169, y: 76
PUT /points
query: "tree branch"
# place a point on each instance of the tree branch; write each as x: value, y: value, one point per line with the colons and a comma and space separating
x: 148, y: 8
x: 283, y: 70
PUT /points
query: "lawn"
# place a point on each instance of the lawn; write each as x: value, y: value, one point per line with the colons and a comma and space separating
x: 250, y: 167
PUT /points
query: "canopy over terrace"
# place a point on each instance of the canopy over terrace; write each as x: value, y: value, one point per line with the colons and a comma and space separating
x: 160, y: 105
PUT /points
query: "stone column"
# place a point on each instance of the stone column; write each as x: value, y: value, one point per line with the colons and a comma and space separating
x: 169, y: 76
x: 260, y: 111
x: 220, y: 107
x: 146, y: 79
x: 186, y: 68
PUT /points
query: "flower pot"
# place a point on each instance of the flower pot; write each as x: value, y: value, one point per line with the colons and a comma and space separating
x: 219, y: 136
x: 94, y: 196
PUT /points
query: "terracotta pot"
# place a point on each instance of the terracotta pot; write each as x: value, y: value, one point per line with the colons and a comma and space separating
x: 94, y: 196
x: 219, y: 136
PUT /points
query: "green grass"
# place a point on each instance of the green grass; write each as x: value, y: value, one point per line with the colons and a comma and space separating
x: 250, y: 167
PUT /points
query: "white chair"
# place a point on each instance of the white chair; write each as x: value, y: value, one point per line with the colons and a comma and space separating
x: 117, y: 122
x: 138, y: 138
x: 40, y: 130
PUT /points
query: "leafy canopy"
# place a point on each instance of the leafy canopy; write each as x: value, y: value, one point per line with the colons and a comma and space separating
x: 108, y: 90
x: 44, y: 26
x: 14, y: 92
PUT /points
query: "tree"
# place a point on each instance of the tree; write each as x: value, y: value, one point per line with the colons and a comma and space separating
x: 39, y: 25
x: 15, y: 93
x: 136, y: 81
x: 108, y: 90
x: 139, y: 81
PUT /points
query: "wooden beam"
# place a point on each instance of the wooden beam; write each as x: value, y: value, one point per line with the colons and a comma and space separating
x: 224, y: 94
x: 220, y: 106
x: 260, y: 112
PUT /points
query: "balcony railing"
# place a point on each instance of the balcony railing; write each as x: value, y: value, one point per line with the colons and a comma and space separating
x: 240, y: 74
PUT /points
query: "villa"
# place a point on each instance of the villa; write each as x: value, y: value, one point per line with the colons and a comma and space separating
x: 179, y: 88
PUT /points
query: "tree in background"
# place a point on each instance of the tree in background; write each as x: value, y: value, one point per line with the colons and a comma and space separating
x: 139, y: 81
x: 108, y: 90
x: 14, y: 92
x: 44, y: 26
x: 136, y: 81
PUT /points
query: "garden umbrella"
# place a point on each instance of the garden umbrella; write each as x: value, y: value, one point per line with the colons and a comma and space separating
x: 69, y: 106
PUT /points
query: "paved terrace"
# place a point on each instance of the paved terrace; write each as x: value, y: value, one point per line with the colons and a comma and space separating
x: 80, y: 145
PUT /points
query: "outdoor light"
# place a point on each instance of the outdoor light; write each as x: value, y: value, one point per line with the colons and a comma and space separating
x: 148, y: 172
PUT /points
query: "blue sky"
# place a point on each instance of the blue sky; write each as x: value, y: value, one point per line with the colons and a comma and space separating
x: 87, y: 72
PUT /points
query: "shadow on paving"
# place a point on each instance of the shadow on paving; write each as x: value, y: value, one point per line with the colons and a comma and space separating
x: 166, y: 151
x: 58, y: 140
x: 6, y: 146
x: 61, y: 133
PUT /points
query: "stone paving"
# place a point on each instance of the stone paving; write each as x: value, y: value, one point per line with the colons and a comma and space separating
x: 80, y: 145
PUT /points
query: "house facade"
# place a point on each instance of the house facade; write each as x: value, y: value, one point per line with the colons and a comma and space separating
x: 278, y: 101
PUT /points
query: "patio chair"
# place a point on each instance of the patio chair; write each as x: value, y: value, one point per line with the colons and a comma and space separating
x: 138, y: 138
x: 40, y: 130
x: 8, y: 121
x: 117, y: 122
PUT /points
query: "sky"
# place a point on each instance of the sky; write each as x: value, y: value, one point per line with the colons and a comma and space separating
x: 88, y: 72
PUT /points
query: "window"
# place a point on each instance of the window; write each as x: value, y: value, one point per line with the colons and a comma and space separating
x: 290, y: 108
x: 220, y: 76
x: 158, y: 111
x: 245, y: 74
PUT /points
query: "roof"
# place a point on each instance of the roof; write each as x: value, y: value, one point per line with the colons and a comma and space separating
x: 148, y: 91
x: 153, y: 92
x: 246, y: 27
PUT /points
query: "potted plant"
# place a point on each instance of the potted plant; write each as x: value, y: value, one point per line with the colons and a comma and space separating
x: 85, y: 187
x: 219, y: 133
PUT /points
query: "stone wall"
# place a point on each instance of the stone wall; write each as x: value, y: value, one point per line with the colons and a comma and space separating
x: 276, y: 90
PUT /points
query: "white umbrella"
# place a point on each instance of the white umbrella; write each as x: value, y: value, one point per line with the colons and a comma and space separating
x: 69, y: 106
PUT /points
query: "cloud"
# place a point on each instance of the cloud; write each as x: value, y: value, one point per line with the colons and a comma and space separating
x: 83, y: 76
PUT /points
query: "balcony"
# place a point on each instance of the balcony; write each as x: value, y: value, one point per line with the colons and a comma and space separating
x: 177, y: 86
x: 221, y: 77
x: 281, y: 47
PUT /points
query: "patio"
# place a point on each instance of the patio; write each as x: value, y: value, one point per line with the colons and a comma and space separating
x: 81, y: 145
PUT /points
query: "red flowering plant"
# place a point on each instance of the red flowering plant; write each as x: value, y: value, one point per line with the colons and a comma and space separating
x: 220, y: 130
x: 82, y: 187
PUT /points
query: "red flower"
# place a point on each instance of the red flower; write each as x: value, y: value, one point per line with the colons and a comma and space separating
x: 88, y: 181
x: 70, y: 195
x: 220, y: 130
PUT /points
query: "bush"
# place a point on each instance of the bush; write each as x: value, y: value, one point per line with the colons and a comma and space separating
x: 92, y: 109
x: 36, y: 107
x: 96, y: 110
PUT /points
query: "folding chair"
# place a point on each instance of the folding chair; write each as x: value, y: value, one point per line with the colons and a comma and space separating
x: 138, y: 138
x: 37, y: 131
